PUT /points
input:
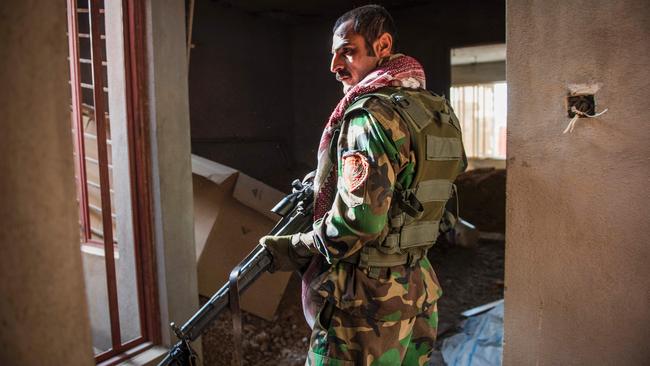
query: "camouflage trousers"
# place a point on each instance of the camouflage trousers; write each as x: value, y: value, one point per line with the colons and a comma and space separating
x: 339, y: 338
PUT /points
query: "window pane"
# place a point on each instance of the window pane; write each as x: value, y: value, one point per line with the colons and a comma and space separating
x: 481, y: 109
x: 122, y: 289
x: 97, y: 297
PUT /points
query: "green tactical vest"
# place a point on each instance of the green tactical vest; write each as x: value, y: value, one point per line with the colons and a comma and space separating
x: 416, y: 211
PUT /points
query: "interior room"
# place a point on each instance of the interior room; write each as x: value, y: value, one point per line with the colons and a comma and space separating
x: 272, y: 94
x: 146, y: 144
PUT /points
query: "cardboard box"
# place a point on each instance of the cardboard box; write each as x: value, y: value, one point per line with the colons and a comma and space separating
x: 231, y: 213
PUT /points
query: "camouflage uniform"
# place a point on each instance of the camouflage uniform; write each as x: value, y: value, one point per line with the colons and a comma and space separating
x: 388, y: 317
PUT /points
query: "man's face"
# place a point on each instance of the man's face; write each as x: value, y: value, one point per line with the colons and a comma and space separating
x: 350, y: 59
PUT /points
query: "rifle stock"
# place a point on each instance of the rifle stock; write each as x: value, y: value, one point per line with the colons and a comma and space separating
x: 296, y: 212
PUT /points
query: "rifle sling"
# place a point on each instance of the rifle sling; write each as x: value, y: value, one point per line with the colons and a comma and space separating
x: 235, y: 311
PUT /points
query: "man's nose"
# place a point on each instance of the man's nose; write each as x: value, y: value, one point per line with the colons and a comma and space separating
x: 336, y: 63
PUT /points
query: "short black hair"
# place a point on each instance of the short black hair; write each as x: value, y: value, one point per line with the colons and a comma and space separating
x: 370, y: 21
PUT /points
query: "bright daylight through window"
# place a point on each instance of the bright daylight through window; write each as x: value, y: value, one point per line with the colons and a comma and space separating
x: 478, y: 96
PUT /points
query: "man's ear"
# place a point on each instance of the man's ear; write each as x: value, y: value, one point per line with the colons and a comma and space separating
x: 384, y: 45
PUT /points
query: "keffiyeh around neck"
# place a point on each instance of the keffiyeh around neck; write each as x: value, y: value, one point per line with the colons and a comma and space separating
x: 398, y: 70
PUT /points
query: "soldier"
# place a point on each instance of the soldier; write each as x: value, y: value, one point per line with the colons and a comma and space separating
x: 386, y: 162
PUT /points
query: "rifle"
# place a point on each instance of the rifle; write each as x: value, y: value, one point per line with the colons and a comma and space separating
x: 295, y: 211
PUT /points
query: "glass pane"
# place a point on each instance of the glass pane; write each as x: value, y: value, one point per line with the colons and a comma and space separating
x: 500, y: 118
x: 86, y: 73
x: 83, y: 23
x: 118, y: 185
x: 87, y: 102
x: 481, y: 109
x: 127, y: 279
x: 103, y: 49
x: 93, y: 180
x: 97, y: 296
x: 111, y: 184
x: 84, y: 48
x: 127, y: 291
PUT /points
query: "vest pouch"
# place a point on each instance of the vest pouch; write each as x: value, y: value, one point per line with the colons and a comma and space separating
x: 419, y: 234
x: 434, y: 190
x: 443, y: 148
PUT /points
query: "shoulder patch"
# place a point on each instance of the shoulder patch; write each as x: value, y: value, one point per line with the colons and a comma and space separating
x: 355, y: 170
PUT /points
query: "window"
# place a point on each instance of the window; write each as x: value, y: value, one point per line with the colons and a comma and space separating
x: 479, y: 95
x: 481, y: 109
x: 110, y: 133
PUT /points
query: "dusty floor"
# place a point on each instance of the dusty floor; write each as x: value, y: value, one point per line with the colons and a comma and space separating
x: 469, y: 277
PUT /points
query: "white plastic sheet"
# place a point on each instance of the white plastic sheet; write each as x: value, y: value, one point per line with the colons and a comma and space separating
x: 480, y: 343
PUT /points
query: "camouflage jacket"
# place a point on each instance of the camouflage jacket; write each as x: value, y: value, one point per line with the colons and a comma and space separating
x: 373, y: 153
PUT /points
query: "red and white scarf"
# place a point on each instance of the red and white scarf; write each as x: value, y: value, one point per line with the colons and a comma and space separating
x: 398, y: 70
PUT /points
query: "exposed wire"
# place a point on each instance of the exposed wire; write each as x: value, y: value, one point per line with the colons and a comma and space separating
x: 578, y: 113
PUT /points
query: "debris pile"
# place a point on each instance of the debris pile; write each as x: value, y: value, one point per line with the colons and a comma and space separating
x: 284, y: 341
x: 469, y: 277
x: 482, y: 195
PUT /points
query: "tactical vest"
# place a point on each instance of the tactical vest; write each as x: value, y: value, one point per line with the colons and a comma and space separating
x: 416, y: 211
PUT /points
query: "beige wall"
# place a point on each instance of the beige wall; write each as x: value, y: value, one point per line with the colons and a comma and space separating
x: 172, y: 170
x: 578, y: 253
x: 43, y: 314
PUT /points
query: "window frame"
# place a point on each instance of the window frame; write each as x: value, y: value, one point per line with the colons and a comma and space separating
x: 137, y: 124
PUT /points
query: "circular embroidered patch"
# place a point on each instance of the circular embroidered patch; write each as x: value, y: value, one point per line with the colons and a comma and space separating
x: 355, y: 170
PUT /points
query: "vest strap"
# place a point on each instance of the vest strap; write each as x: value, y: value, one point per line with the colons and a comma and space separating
x: 397, y: 221
x: 391, y: 243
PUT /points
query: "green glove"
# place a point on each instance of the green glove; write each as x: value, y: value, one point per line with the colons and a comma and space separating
x: 286, y: 257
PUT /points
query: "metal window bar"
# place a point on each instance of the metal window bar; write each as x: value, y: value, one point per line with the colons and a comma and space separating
x: 100, y: 109
x: 99, y: 106
x: 75, y: 84
x: 139, y: 149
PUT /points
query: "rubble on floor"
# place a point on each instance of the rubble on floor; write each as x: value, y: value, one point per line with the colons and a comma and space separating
x: 469, y: 277
x: 283, y: 341
x: 482, y: 196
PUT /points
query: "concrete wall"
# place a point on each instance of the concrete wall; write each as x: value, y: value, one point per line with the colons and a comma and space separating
x: 43, y: 313
x: 316, y: 91
x: 577, y: 273
x: 240, y: 91
x: 172, y: 172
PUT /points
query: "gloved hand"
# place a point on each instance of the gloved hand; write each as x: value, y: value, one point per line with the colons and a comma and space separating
x: 283, y: 250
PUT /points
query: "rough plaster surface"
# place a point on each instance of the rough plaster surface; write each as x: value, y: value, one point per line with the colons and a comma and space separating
x: 172, y: 185
x: 43, y: 314
x: 577, y: 254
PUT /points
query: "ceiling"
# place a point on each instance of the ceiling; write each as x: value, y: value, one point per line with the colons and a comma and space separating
x: 296, y: 11
x: 478, y: 54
